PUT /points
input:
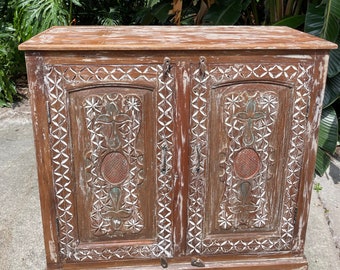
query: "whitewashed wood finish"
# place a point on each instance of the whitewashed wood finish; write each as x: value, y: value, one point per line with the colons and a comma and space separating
x: 122, y: 38
x: 186, y: 75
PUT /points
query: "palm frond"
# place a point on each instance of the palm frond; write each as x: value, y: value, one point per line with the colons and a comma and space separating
x: 34, y: 16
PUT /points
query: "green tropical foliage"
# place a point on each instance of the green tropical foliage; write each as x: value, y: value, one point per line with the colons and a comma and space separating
x: 323, y: 20
x: 11, y: 60
x: 34, y: 16
x: 21, y: 19
x: 7, y: 87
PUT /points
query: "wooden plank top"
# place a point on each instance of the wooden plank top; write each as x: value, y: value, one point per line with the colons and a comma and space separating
x: 122, y: 38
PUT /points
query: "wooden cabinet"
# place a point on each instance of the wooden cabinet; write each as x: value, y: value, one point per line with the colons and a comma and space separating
x: 175, y: 146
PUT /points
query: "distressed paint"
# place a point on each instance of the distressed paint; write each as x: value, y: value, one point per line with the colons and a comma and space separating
x: 179, y: 70
x: 173, y: 38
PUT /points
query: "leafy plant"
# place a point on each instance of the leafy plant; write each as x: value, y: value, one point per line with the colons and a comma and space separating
x: 35, y: 16
x: 107, y: 12
x: 7, y: 87
x: 224, y: 12
x: 317, y: 187
x: 11, y: 61
x: 322, y: 19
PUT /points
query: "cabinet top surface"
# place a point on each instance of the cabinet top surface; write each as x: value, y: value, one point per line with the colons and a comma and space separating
x: 125, y: 38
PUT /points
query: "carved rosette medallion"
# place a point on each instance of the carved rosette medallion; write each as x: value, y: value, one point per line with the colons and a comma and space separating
x: 245, y: 165
x: 114, y: 163
x: 114, y: 167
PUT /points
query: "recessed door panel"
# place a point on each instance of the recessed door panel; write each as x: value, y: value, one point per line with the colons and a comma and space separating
x: 115, y: 186
x: 121, y: 161
x: 247, y: 150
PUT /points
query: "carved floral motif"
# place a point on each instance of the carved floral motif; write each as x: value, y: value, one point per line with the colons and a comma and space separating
x: 115, y: 164
x: 246, y: 162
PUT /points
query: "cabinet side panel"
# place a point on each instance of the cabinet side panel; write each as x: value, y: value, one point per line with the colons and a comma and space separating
x: 40, y: 119
x: 311, y: 145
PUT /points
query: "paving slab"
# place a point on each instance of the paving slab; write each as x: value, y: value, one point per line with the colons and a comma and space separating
x: 21, y: 238
x: 326, y: 209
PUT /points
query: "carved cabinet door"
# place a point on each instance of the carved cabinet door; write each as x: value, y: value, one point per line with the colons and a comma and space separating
x: 111, y: 130
x: 247, y: 123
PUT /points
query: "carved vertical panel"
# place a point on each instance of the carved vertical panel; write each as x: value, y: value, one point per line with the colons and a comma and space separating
x: 198, y: 156
x: 115, y: 164
x: 61, y: 160
x: 99, y: 195
x: 165, y: 152
x: 246, y: 163
x: 236, y: 109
